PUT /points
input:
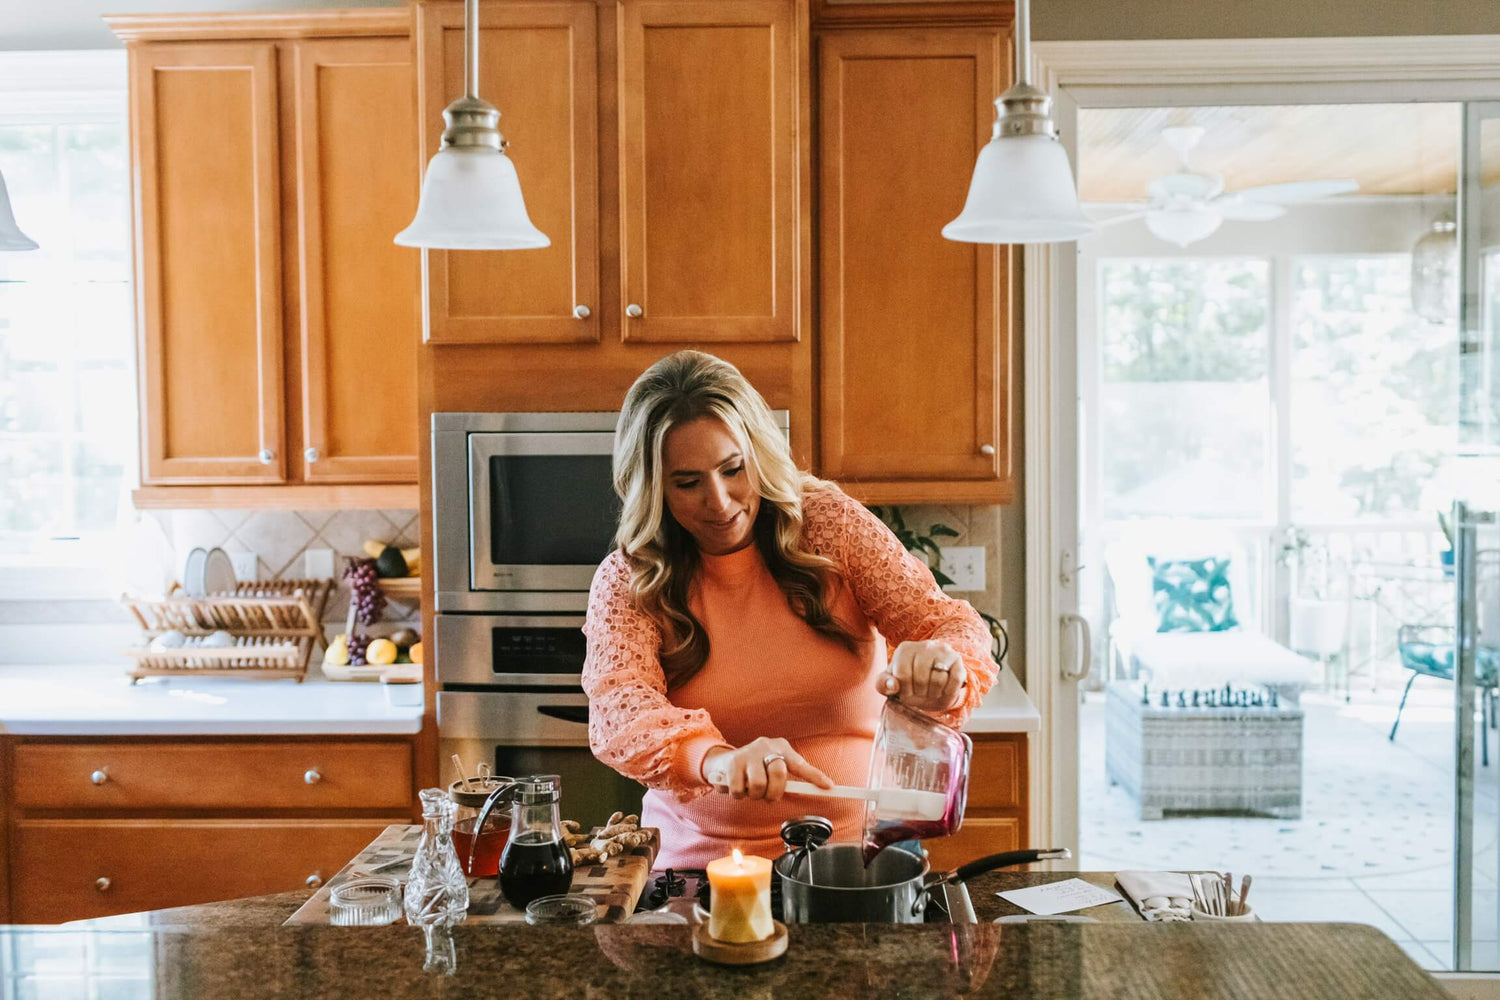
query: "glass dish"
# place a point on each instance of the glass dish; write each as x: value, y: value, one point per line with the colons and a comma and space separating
x: 365, y: 902
x: 570, y: 910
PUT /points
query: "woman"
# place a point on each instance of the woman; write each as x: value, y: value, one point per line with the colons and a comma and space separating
x: 737, y: 634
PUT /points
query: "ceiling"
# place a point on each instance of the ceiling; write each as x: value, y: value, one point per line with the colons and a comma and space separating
x: 1390, y: 149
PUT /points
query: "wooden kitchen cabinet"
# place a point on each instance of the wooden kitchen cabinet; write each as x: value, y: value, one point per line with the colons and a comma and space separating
x: 275, y: 157
x: 115, y: 825
x: 995, y: 819
x: 914, y: 330
x: 660, y: 145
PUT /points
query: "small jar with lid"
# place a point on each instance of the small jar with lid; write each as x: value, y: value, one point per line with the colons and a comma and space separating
x: 479, y: 857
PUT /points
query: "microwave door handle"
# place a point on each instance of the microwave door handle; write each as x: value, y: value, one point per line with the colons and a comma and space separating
x: 567, y: 713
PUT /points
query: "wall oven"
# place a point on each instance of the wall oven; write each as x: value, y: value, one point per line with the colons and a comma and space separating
x: 524, y: 510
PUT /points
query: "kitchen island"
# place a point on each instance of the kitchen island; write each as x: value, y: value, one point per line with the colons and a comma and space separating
x: 238, y: 949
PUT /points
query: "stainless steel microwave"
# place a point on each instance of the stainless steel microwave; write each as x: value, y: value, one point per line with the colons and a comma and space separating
x: 524, y: 508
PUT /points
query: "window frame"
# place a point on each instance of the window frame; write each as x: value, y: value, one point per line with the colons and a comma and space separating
x: 59, y: 88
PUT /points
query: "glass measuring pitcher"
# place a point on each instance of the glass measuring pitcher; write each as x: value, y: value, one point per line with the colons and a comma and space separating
x: 924, y: 766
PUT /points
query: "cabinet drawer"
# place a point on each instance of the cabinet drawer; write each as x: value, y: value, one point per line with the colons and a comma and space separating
x: 974, y: 840
x: 269, y: 775
x: 59, y: 864
x: 996, y: 774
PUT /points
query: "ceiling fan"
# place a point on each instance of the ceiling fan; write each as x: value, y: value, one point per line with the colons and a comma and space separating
x: 1188, y: 205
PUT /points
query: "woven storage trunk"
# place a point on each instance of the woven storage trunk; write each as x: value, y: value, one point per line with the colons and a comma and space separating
x: 1213, y: 760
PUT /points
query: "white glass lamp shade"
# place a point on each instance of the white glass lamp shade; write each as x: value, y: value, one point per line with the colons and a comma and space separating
x: 1434, y: 272
x: 1022, y: 192
x: 471, y: 200
x: 11, y: 237
x: 1183, y: 225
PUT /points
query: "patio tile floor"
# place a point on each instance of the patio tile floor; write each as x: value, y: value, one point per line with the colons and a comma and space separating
x: 1375, y: 841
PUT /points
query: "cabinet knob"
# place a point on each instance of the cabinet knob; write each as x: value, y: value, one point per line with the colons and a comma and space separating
x: 99, y: 777
x: 986, y: 449
x: 634, y: 311
x: 266, y: 456
x: 312, y: 777
x: 311, y: 454
x: 102, y: 884
x: 581, y: 312
x: 314, y: 880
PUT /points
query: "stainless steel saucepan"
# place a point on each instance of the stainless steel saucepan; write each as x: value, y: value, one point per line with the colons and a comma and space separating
x: 830, y: 883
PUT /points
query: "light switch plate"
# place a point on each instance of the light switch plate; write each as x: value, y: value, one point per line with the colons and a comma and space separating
x: 245, y: 566
x: 318, y: 563
x: 964, y: 564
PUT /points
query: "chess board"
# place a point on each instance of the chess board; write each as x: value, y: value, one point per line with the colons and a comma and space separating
x: 615, y: 885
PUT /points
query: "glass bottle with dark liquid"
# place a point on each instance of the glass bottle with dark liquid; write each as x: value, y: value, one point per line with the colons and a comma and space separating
x: 536, y: 862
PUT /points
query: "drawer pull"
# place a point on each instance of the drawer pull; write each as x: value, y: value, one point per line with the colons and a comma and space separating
x: 314, y: 880
x: 102, y: 884
x: 634, y: 311
x: 312, y: 777
x: 986, y: 449
x: 99, y: 777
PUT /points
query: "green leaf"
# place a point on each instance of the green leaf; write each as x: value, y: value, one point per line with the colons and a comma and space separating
x: 942, y: 530
x: 943, y: 579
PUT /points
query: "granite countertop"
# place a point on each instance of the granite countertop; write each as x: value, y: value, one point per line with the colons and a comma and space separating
x: 1006, y: 709
x: 237, y: 949
x: 99, y: 700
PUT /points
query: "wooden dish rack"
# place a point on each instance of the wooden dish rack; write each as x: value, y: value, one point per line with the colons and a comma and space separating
x: 275, y: 623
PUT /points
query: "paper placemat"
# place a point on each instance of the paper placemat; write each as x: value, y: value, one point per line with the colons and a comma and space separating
x: 615, y: 885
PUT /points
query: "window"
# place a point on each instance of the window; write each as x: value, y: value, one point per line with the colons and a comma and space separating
x: 68, y: 412
x: 1184, y: 407
x: 1374, y: 393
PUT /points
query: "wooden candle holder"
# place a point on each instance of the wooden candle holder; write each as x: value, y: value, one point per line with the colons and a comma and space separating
x: 737, y: 952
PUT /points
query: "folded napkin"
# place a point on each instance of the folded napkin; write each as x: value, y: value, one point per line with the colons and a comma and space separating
x: 1160, y: 896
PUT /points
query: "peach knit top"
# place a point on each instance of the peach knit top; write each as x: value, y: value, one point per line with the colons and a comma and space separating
x: 767, y: 674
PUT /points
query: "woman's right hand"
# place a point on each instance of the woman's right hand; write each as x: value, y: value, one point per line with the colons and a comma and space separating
x: 759, y: 769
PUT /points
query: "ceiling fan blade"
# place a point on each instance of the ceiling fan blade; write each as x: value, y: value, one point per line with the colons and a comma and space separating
x: 1297, y: 190
x: 1249, y: 211
x: 1107, y: 214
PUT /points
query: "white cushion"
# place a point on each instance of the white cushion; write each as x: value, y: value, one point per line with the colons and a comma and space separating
x: 1213, y: 659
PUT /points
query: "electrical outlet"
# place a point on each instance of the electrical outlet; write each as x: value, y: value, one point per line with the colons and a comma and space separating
x: 964, y: 564
x: 245, y: 566
x: 318, y: 563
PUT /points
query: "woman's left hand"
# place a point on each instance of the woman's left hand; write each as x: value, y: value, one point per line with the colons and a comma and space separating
x: 928, y: 676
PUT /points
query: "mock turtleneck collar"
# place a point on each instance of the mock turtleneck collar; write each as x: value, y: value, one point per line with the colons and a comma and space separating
x: 732, y: 565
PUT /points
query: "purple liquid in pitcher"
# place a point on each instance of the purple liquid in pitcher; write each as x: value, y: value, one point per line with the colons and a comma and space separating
x: 890, y: 831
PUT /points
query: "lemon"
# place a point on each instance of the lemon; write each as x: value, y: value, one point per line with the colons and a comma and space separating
x: 415, y: 652
x: 381, y: 652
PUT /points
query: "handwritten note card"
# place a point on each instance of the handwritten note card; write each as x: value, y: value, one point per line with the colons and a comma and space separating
x: 1059, y: 897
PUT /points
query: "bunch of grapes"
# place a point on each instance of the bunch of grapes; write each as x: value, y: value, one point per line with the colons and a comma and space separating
x: 358, y: 643
x: 364, y: 591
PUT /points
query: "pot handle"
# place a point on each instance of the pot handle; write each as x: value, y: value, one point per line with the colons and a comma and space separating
x: 1002, y: 860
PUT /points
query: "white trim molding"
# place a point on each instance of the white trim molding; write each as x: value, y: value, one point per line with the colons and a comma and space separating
x: 1163, y: 73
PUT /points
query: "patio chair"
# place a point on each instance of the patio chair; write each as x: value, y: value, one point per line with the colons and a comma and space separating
x: 1427, y: 650
x: 1181, y: 600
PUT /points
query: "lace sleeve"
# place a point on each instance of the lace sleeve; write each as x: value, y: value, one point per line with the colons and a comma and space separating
x: 633, y: 727
x: 898, y: 593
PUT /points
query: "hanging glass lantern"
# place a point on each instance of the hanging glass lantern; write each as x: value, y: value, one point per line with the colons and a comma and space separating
x: 1434, y: 271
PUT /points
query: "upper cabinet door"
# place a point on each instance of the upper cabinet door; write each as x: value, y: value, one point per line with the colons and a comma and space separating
x: 711, y: 222
x: 360, y: 294
x: 538, y: 66
x: 914, y: 329
x: 208, y: 262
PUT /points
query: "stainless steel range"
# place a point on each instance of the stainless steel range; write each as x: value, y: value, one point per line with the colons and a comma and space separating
x: 524, y: 510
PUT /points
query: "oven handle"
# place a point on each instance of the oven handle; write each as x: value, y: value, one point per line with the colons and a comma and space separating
x: 567, y: 713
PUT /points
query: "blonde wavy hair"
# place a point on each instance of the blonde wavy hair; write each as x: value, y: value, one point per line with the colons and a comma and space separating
x: 663, y: 556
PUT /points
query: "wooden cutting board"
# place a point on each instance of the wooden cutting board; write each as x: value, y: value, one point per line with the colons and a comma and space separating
x: 615, y: 885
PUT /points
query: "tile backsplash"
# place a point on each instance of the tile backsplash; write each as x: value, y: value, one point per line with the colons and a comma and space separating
x: 280, y: 540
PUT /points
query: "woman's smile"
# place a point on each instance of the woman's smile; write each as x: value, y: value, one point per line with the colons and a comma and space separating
x: 708, y: 489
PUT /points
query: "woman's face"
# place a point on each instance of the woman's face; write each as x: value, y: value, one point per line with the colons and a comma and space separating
x: 707, y: 487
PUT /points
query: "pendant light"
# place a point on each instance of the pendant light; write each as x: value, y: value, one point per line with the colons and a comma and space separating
x: 11, y: 237
x: 471, y: 196
x: 1022, y: 191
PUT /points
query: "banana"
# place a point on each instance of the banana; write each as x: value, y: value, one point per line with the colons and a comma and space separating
x: 373, y: 549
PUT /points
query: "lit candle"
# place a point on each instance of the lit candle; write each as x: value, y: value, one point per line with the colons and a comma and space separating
x: 741, y: 898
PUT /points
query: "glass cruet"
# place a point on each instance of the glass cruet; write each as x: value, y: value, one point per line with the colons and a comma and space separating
x: 436, y: 890
x: 536, y: 861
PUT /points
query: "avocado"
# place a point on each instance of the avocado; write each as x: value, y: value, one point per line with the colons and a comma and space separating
x: 390, y: 562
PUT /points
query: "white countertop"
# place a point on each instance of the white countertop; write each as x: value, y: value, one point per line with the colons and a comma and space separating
x: 99, y: 700
x: 1006, y: 709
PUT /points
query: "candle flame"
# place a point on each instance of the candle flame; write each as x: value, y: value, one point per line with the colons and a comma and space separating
x: 739, y: 858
